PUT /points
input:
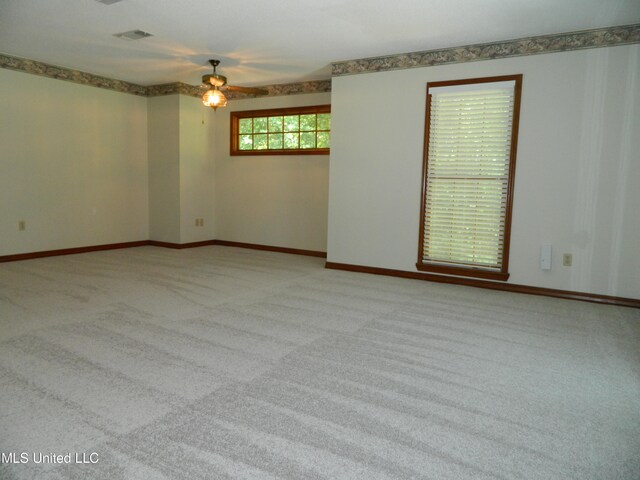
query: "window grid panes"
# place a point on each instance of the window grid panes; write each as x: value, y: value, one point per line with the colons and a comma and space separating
x: 301, y: 131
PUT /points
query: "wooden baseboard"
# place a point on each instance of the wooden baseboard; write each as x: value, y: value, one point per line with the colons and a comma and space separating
x: 71, y: 251
x: 179, y: 246
x: 508, y: 287
x: 157, y: 243
x: 254, y: 246
x: 251, y: 246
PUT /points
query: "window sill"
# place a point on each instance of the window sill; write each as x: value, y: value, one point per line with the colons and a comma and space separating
x: 463, y: 271
x: 290, y: 151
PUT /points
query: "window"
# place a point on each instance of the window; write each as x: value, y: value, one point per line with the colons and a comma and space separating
x: 471, y: 134
x: 299, y: 131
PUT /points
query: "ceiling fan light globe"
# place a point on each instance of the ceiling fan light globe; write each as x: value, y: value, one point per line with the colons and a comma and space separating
x: 214, y: 98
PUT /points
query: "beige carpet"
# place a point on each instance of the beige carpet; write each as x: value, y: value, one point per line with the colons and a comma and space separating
x: 217, y: 362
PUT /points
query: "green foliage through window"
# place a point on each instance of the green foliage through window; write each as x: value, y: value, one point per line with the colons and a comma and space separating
x: 303, y: 130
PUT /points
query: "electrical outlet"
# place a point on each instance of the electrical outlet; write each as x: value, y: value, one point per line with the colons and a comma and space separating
x: 202, y: 222
x: 567, y: 259
x: 22, y: 225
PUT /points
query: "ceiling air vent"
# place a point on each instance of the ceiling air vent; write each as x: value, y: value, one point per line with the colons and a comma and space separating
x: 133, y: 35
x: 108, y: 2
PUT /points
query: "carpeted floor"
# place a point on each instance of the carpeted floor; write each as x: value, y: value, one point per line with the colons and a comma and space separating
x: 216, y: 362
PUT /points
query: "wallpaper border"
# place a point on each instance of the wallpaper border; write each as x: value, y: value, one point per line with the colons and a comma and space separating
x: 61, y: 73
x: 601, y: 37
x: 83, y: 78
x: 275, y: 90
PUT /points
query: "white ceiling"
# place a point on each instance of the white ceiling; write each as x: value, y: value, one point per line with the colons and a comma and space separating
x: 264, y: 42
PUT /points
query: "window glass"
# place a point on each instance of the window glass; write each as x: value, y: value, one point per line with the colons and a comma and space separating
x: 299, y: 130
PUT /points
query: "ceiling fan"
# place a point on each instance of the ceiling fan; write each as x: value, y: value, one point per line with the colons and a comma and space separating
x: 213, y: 97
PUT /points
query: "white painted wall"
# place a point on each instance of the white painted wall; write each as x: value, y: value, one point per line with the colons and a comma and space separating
x: 577, y: 169
x: 73, y: 165
x: 271, y: 200
x: 197, y: 186
x: 164, y: 168
x: 181, y: 183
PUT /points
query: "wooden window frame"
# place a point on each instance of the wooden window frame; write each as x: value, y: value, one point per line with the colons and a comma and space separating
x: 461, y: 269
x: 273, y: 112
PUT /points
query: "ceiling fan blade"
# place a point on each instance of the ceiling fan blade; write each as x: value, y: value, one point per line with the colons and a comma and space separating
x: 249, y: 90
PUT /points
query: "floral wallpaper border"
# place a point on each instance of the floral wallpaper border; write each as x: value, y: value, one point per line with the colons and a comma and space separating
x: 603, y: 37
x: 319, y: 86
x: 61, y: 73
x: 172, y: 88
x: 83, y: 78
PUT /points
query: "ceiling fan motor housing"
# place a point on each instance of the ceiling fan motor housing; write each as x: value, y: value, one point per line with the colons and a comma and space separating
x: 214, y: 79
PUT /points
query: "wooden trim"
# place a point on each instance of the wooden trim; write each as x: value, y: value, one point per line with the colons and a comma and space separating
x: 478, y: 272
x: 71, y: 251
x: 507, y: 287
x: 515, y: 128
x: 291, y: 151
x: 254, y: 246
x: 472, y: 81
x: 158, y: 243
x: 179, y: 246
x: 226, y: 243
x: 271, y: 112
x: 425, y: 159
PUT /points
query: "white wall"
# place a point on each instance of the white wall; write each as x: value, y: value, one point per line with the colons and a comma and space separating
x: 164, y: 168
x: 181, y: 183
x: 271, y: 200
x: 197, y: 183
x: 576, y: 174
x: 73, y: 165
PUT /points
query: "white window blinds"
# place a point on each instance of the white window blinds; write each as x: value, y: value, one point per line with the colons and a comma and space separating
x: 468, y: 157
